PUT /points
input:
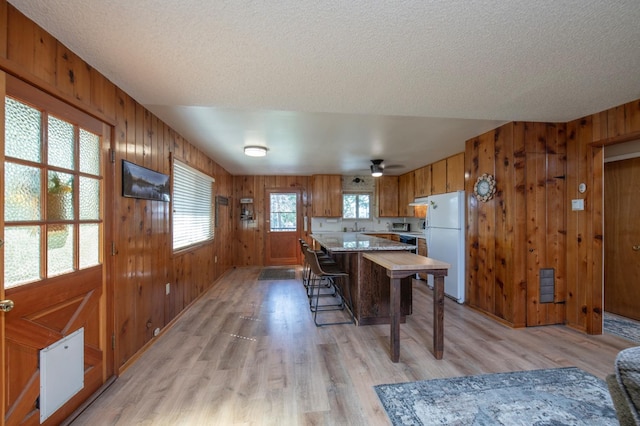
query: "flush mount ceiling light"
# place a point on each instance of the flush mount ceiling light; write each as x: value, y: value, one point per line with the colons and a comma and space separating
x: 255, y: 151
x: 376, y: 168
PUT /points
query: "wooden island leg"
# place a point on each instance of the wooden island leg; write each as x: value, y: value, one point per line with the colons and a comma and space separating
x: 438, y: 316
x: 395, y: 319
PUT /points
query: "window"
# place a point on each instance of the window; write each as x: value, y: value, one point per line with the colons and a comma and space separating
x: 52, y: 191
x: 283, y: 212
x: 193, y: 213
x: 356, y: 206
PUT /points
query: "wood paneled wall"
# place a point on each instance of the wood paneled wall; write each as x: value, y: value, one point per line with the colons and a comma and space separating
x: 585, y: 138
x: 522, y: 229
x: 496, y: 281
x: 249, y: 244
x: 143, y: 262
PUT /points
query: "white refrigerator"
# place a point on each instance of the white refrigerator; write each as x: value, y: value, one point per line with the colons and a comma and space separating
x: 445, y: 230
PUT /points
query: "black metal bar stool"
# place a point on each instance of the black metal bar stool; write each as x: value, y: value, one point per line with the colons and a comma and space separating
x: 332, y: 277
x: 307, y: 280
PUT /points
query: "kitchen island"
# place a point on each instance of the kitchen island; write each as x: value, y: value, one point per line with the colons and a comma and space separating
x: 368, y: 283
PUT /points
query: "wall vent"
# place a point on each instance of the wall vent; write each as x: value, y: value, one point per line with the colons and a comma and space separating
x: 547, y: 285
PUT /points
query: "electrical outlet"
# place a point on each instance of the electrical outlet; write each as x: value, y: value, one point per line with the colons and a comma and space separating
x: 167, y: 288
x: 215, y: 259
x: 156, y: 332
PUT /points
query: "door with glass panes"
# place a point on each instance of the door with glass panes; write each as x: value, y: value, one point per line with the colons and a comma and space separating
x: 283, y: 220
x: 52, y: 258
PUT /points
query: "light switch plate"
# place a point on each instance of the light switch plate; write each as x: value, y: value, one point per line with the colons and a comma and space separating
x: 577, y: 204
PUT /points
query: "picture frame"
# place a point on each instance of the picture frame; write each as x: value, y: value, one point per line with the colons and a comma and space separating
x: 141, y: 182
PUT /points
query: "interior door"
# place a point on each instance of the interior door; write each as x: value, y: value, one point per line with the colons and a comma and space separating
x: 52, y: 213
x: 283, y: 222
x: 622, y: 237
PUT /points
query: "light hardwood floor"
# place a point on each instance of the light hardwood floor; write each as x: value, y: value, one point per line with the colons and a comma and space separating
x: 248, y: 353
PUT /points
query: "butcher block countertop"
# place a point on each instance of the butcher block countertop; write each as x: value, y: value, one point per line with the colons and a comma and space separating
x: 402, y: 261
x: 355, y: 241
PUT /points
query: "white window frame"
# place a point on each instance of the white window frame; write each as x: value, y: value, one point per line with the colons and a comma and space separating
x: 193, y: 210
x: 358, y: 194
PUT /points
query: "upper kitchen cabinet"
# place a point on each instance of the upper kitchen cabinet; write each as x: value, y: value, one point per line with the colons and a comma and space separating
x: 387, y: 196
x: 326, y: 196
x: 422, y: 181
x: 439, y: 177
x: 448, y: 175
x: 455, y: 173
x: 406, y: 194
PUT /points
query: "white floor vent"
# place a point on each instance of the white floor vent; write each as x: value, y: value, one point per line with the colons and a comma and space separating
x: 61, y: 372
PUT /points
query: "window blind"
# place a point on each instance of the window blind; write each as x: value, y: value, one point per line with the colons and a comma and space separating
x: 193, y: 212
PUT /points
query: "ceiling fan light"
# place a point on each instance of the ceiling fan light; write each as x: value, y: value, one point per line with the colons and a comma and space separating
x: 255, y: 151
x: 376, y: 170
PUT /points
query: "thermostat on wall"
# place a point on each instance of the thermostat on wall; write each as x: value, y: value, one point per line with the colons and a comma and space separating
x: 577, y: 204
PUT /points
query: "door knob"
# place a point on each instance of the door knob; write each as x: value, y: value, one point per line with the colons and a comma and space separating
x: 6, y: 305
x: 636, y: 248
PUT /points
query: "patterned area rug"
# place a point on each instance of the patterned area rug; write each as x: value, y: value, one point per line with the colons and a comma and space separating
x: 621, y: 326
x: 562, y: 396
x: 277, y: 274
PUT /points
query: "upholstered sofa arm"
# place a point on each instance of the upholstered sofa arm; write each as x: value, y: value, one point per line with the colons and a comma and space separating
x: 626, y: 396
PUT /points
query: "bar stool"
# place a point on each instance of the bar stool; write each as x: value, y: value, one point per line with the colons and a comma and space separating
x: 331, y: 275
x: 323, y: 258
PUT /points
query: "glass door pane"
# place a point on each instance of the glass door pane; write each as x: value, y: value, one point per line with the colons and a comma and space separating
x: 283, y: 212
x: 47, y: 177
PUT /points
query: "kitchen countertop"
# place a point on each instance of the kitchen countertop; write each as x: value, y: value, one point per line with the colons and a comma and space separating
x: 358, y: 241
x: 409, y: 234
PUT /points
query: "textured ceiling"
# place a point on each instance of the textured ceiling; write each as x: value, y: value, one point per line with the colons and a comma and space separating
x: 329, y: 85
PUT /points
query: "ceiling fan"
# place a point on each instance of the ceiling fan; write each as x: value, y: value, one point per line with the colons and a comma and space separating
x: 377, y: 167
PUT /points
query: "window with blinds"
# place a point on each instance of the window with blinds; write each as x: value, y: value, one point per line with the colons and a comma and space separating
x: 193, y: 211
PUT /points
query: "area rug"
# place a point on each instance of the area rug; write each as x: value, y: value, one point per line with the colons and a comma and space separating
x: 622, y: 327
x: 562, y: 396
x: 277, y: 274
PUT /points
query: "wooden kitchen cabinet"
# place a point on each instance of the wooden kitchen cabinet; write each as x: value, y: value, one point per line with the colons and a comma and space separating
x: 387, y: 196
x: 406, y: 195
x: 448, y: 175
x: 422, y: 182
x: 386, y: 236
x: 326, y: 196
x: 455, y: 173
x: 439, y: 177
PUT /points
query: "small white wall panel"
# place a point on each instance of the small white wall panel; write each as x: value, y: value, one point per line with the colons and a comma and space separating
x: 61, y: 372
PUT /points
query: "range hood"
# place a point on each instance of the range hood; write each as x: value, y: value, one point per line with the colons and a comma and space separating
x: 422, y: 201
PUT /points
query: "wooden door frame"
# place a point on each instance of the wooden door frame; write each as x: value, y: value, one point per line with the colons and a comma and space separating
x: 267, y: 210
x: 624, y: 170
x: 595, y: 288
x: 3, y: 379
x: 108, y: 281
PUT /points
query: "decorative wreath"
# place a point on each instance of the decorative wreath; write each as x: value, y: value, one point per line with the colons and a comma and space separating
x: 485, y: 187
